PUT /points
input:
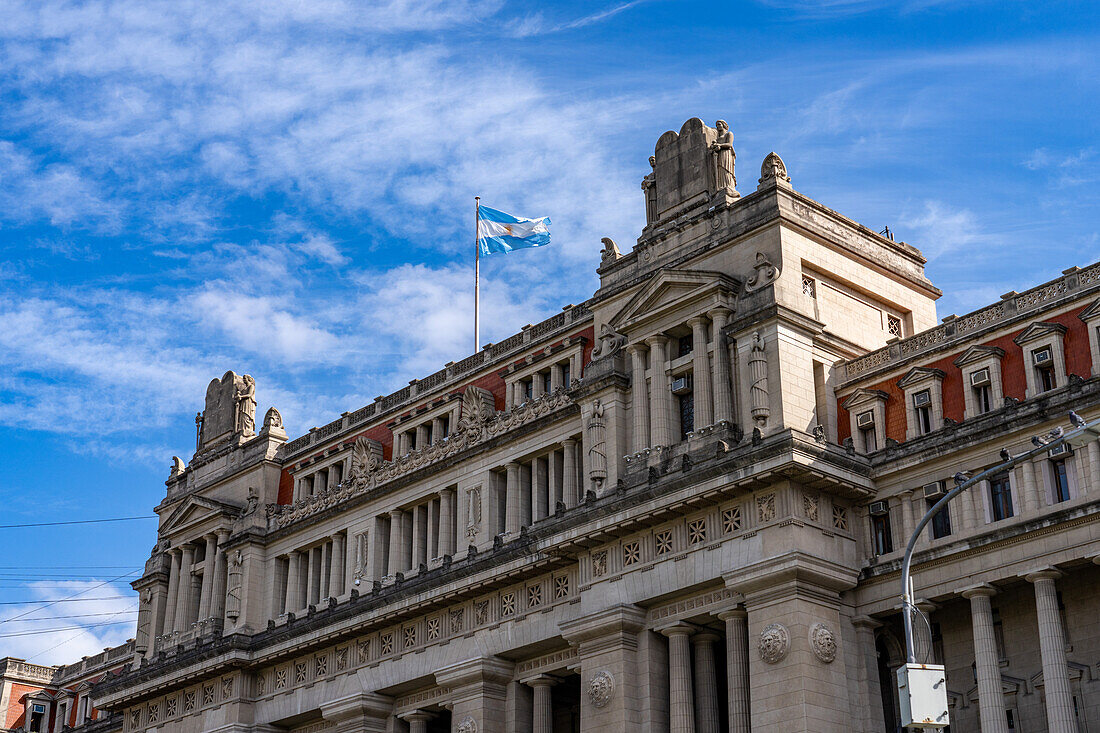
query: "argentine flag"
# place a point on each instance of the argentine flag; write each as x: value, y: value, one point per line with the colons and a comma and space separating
x: 500, y: 232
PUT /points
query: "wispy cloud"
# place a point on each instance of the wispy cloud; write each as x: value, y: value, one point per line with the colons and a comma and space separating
x: 536, y: 23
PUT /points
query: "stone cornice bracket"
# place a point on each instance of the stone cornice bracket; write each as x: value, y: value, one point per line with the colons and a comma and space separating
x: 472, y: 677
x: 363, y: 711
x: 613, y: 627
x: 765, y: 273
x: 793, y: 573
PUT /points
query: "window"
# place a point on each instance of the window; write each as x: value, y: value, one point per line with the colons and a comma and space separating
x: 893, y: 325
x: 687, y: 414
x: 1043, y: 359
x: 565, y: 374
x: 941, y: 521
x: 983, y: 398
x: 1000, y: 498
x: 881, y: 535
x: 922, y: 410
x: 870, y: 442
x: 809, y: 286
x: 1011, y: 719
x: 685, y: 346
x: 546, y: 382
x: 1061, y: 481
x: 937, y: 643
x: 528, y: 388
x: 999, y: 634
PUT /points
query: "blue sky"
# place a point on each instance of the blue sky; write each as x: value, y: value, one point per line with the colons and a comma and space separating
x: 285, y: 189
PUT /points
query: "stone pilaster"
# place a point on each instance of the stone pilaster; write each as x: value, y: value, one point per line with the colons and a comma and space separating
x: 569, y: 472
x: 336, y: 566
x: 172, y: 598
x: 398, y: 560
x: 723, y: 395
x: 737, y: 668
x: 991, y: 704
x: 478, y: 692
x: 607, y: 643
x: 1052, y: 647
x: 512, y: 520
x: 868, y: 687
x: 221, y: 572
x: 207, y: 591
x: 447, y: 522
x: 183, y: 595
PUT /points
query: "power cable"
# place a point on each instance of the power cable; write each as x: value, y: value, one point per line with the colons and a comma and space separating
x: 59, y: 600
x: 39, y: 632
x: 74, y: 521
x: 75, y: 615
x: 75, y: 596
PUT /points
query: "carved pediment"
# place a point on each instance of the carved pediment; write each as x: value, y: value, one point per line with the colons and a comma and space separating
x: 1038, y: 330
x: 670, y: 290
x: 864, y: 397
x: 978, y: 353
x: 1091, y: 313
x: 916, y: 375
x: 197, y: 509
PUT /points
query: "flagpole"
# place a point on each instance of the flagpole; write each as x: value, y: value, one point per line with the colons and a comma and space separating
x: 477, y: 273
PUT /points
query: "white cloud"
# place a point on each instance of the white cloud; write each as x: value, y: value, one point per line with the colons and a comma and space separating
x: 942, y: 228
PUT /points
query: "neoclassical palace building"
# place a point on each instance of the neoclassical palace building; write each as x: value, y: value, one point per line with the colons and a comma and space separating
x: 678, y: 506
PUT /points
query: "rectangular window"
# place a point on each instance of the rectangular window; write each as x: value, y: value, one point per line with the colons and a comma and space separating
x: 687, y: 414
x: 893, y: 325
x: 1000, y: 498
x: 686, y: 345
x: 870, y: 442
x: 565, y: 374
x: 528, y: 388
x: 1047, y: 381
x: 1061, y: 481
x: 941, y: 521
x: 922, y: 409
x: 546, y: 383
x: 1043, y: 360
x: 880, y: 532
x: 809, y: 286
x: 983, y: 398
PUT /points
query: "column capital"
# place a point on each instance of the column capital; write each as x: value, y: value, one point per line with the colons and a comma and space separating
x: 738, y: 612
x: 866, y: 622
x: 637, y: 348
x: 222, y: 535
x: 680, y: 628
x: 394, y: 514
x: 568, y: 441
x: 706, y: 636
x: 698, y: 321
x: 720, y: 313
x: 1048, y: 573
x: 656, y: 340
x: 541, y: 680
x: 982, y: 589
x: 416, y: 716
x: 926, y: 606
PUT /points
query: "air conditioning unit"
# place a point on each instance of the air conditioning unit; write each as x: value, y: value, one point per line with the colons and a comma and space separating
x: 36, y: 708
x: 1042, y: 356
x: 879, y: 507
x: 980, y: 378
x: 1060, y: 450
x: 865, y: 419
x: 681, y: 385
x: 934, y: 490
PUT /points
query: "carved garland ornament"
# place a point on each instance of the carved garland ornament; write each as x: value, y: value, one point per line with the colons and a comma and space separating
x: 468, y: 725
x: 775, y: 642
x: 601, y: 688
x: 823, y: 642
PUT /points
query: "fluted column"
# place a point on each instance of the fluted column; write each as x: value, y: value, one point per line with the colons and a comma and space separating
x: 1052, y: 648
x: 569, y: 472
x: 553, y: 481
x: 540, y: 490
x: 173, y: 592
x: 737, y: 668
x: 221, y: 572
x: 433, y: 527
x: 336, y: 566
x: 397, y: 563
x: 417, y: 720
x: 700, y: 373
x: 207, y: 577
x: 1030, y: 498
x: 437, y: 429
x: 447, y: 522
x: 419, y: 538
x: 660, y: 422
x: 555, y: 376
x: 991, y: 704
x: 183, y: 595
x: 1093, y: 452
x: 543, y: 720
x: 706, y: 684
x: 681, y: 706
x: 639, y: 398
x: 512, y: 521
x: 422, y: 436
x: 723, y: 395
x: 293, y: 581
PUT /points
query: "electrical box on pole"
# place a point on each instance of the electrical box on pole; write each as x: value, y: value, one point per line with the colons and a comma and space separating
x: 922, y: 691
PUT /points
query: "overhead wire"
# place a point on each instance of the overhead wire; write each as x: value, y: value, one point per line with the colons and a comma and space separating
x: 76, y: 521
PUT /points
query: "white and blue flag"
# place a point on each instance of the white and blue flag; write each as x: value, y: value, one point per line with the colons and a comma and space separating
x: 500, y: 232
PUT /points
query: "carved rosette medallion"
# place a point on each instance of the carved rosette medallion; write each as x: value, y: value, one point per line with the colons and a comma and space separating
x: 823, y: 642
x: 468, y: 725
x: 601, y: 688
x: 775, y: 642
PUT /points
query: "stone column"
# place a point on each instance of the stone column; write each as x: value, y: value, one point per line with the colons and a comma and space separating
x: 433, y: 528
x: 569, y: 472
x: 525, y: 483
x: 419, y: 538
x: 1030, y: 493
x: 681, y: 706
x: 540, y: 488
x: 555, y: 376
x: 512, y: 521
x: 398, y: 559
x: 1093, y: 452
x: 173, y: 591
x: 1052, y: 647
x: 908, y: 522
x: 706, y: 684
x: 417, y: 720
x: 437, y: 429
x: 543, y: 718
x: 422, y: 436
x: 639, y: 396
x: 221, y: 576
x: 991, y: 704
x: 700, y: 373
x: 293, y: 581
x: 536, y: 386
x: 324, y: 571
x: 660, y: 422
x: 723, y: 395
x: 336, y: 567
x: 737, y: 669
x: 553, y: 481
x: 866, y: 674
x: 207, y: 577
x: 315, y: 573
x: 183, y: 595
x: 447, y: 522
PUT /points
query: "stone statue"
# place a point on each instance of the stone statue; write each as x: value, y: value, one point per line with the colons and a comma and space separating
x: 597, y: 453
x: 246, y: 406
x: 758, y: 385
x: 650, y: 191
x: 141, y: 640
x: 178, y: 466
x: 724, y: 157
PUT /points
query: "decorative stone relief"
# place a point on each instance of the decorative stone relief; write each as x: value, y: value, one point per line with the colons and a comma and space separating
x: 810, y: 507
x: 467, y: 725
x: 610, y: 343
x: 823, y: 642
x: 597, y: 452
x: 773, y: 171
x: 758, y: 375
x: 765, y: 508
x: 765, y: 273
x: 724, y: 157
x: 601, y: 688
x: 610, y: 252
x: 141, y: 642
x: 473, y: 512
x: 233, y: 588
x: 178, y: 466
x: 273, y: 419
x: 775, y: 642
x: 599, y: 563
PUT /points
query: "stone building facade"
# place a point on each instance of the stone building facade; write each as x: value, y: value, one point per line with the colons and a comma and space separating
x: 678, y: 506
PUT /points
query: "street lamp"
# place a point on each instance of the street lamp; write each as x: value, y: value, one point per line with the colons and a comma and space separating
x: 922, y: 688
